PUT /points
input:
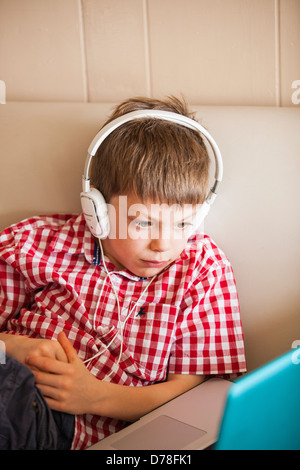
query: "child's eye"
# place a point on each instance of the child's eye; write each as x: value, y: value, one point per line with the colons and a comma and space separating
x: 183, y: 225
x: 143, y: 223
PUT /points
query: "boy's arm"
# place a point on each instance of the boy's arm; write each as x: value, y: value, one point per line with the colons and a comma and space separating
x: 131, y: 403
x: 71, y: 388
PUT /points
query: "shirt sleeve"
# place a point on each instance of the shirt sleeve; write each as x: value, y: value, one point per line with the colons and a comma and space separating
x: 13, y: 295
x: 209, y: 338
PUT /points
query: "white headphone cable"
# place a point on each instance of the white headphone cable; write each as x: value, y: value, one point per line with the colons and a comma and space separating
x: 120, y: 324
x: 99, y: 297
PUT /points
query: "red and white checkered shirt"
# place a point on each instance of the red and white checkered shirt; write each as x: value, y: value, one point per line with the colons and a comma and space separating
x: 186, y: 322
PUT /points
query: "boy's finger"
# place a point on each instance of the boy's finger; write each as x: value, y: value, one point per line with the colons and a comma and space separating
x: 67, y: 346
x: 45, y: 364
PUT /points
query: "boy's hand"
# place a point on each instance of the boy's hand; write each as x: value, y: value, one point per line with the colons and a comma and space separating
x: 71, y: 388
x: 66, y: 386
x: 21, y: 347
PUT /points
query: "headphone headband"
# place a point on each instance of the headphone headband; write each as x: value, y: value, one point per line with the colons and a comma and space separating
x: 92, y: 200
x: 150, y: 113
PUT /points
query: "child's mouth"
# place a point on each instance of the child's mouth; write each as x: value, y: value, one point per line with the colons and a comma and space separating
x: 154, y: 264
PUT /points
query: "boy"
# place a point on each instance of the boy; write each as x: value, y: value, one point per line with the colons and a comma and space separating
x: 98, y: 333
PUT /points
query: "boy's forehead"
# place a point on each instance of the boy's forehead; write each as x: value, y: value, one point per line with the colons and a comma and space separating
x: 132, y: 205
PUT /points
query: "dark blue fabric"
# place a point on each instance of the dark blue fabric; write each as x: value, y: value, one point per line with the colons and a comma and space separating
x: 26, y: 421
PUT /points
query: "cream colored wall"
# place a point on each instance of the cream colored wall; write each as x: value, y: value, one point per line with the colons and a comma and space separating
x: 215, y: 52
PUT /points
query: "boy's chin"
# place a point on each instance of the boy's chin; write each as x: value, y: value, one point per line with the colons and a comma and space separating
x: 148, y: 271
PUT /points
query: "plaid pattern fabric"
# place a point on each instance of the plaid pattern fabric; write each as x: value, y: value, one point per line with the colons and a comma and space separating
x: 186, y: 322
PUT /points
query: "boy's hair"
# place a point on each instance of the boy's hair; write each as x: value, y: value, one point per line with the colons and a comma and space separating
x: 154, y: 159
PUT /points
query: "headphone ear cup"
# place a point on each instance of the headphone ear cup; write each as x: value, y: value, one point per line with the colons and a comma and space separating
x: 200, y: 216
x: 95, y: 212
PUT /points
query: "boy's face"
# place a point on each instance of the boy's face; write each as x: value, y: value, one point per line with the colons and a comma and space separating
x: 146, y: 237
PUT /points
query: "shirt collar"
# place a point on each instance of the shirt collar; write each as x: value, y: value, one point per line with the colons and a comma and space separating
x: 97, y: 261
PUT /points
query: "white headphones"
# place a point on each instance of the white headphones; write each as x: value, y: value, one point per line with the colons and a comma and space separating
x: 93, y: 204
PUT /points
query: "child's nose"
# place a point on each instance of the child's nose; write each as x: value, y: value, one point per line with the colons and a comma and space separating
x: 161, y: 243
